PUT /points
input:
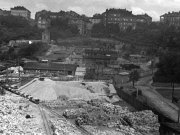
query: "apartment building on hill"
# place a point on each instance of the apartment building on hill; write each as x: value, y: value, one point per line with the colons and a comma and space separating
x: 43, y: 17
x: 171, y: 18
x: 21, y: 11
x: 124, y: 18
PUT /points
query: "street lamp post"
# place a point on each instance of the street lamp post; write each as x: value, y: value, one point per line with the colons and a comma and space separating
x: 178, y: 114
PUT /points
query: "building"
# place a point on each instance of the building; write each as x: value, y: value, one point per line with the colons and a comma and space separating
x: 46, y: 36
x: 1, y: 12
x: 124, y: 18
x: 39, y: 14
x: 43, y: 22
x: 5, y: 12
x: 73, y: 19
x: 80, y: 73
x: 55, y: 15
x: 171, y: 18
x: 95, y: 20
x: 21, y: 11
x: 80, y: 23
x: 99, y: 57
x: 60, y: 69
x: 144, y: 18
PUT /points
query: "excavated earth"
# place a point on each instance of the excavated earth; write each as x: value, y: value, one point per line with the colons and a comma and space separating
x: 74, y: 114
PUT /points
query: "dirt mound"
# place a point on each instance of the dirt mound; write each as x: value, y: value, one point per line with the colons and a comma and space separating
x: 50, y: 90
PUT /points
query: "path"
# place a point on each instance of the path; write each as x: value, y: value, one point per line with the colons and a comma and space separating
x: 45, y: 121
x: 157, y: 101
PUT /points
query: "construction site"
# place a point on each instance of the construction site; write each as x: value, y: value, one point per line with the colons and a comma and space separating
x: 74, y: 108
x: 84, y: 90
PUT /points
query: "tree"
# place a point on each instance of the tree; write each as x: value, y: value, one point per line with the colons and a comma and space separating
x: 98, y: 30
x: 90, y: 74
x: 60, y: 28
x: 14, y: 28
x: 32, y: 50
x: 113, y: 28
x: 134, y: 76
x: 168, y: 70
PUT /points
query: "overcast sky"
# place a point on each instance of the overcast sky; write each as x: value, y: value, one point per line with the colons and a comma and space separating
x: 154, y: 8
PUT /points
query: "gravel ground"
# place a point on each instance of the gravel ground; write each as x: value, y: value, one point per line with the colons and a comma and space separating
x: 13, y: 112
x: 48, y: 90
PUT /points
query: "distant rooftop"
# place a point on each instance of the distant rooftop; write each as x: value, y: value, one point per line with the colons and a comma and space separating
x: 143, y: 15
x: 49, y: 66
x: 119, y: 11
x: 19, y: 8
x: 172, y: 14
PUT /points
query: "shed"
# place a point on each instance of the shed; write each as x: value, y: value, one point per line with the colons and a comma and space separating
x: 67, y: 69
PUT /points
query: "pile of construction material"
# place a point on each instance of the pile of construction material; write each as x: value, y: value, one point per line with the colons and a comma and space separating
x: 64, y: 127
x: 16, y: 117
x: 99, y: 113
x: 108, y: 107
x: 49, y: 90
x: 145, y: 121
x: 74, y: 113
x: 61, y: 104
x: 124, y: 130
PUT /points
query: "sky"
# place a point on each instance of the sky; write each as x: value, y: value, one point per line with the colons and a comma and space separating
x: 154, y: 8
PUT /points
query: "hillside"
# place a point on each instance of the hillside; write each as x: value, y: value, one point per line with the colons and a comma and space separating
x: 14, y: 28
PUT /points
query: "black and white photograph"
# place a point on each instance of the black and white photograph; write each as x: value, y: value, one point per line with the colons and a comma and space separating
x: 89, y: 67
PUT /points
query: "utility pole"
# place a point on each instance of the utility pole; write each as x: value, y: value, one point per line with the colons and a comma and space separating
x: 172, y: 92
x: 7, y: 74
x: 152, y: 65
x: 178, y: 115
x: 19, y: 71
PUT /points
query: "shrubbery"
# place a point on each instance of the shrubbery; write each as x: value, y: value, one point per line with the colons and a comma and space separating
x: 14, y: 28
x: 33, y: 50
x: 60, y: 28
x: 168, y: 69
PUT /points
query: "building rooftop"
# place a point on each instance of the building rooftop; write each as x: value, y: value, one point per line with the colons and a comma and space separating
x: 171, y: 14
x: 100, y: 51
x: 123, y: 12
x: 100, y: 54
x: 50, y: 66
x: 19, y: 8
x: 144, y: 15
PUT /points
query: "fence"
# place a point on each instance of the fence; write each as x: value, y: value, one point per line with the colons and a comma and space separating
x: 131, y: 100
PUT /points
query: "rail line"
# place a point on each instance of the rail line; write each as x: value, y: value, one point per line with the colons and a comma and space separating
x: 80, y: 128
x: 45, y: 121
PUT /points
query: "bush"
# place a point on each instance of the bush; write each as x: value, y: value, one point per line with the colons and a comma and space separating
x: 33, y: 49
x: 14, y: 28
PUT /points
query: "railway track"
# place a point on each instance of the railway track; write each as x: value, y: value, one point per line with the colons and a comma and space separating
x: 45, y: 121
x: 80, y: 128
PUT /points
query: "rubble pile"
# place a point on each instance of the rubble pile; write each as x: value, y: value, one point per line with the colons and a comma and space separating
x: 13, y: 112
x: 145, y: 121
x: 73, y: 113
x: 99, y: 113
x: 64, y: 127
x: 123, y: 131
x: 108, y: 107
x: 59, y: 104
